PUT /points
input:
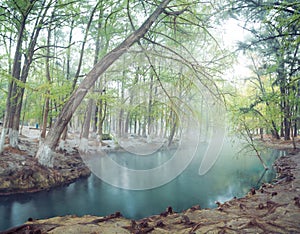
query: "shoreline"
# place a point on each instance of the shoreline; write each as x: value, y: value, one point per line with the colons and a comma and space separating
x: 271, y: 208
x: 20, y: 172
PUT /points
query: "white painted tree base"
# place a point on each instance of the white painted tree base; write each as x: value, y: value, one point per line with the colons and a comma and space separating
x: 13, y: 138
x: 2, y: 139
x: 45, y: 155
x: 61, y: 145
x: 83, y: 145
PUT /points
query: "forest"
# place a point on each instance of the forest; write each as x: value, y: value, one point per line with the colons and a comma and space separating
x: 139, y: 68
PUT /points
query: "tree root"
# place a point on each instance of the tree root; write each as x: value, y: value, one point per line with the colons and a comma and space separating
x: 106, y: 218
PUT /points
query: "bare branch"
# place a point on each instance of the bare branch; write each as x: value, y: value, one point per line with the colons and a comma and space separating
x: 53, y: 46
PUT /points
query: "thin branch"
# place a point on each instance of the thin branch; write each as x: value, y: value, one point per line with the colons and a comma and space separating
x: 54, y: 46
x: 194, y: 67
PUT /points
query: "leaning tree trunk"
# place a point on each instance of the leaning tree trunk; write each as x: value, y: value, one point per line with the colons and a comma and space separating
x: 77, y: 74
x: 46, y: 148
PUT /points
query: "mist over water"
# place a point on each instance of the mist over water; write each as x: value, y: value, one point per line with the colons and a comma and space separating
x: 232, y: 175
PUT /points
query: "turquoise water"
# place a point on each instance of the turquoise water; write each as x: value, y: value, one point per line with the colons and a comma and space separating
x: 233, y: 174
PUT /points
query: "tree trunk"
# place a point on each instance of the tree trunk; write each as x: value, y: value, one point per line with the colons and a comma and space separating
x: 77, y: 74
x: 121, y: 123
x: 274, y: 131
x: 95, y: 118
x: 18, y: 94
x: 3, y: 135
x: 89, y: 112
x: 45, y: 118
x: 86, y: 126
x: 68, y: 62
x: 174, y: 123
x: 150, y: 103
x: 87, y: 120
x: 261, y: 132
x: 96, y: 59
x: 101, y: 116
x: 293, y: 139
x: 132, y: 93
x: 46, y: 148
x: 287, y: 129
x: 16, y: 71
x: 47, y: 98
x: 83, y: 46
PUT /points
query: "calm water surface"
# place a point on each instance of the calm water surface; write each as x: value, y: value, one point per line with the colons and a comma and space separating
x: 232, y: 175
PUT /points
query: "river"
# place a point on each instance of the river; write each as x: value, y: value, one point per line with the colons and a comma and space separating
x: 233, y: 174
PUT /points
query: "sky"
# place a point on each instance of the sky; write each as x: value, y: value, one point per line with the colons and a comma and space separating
x: 232, y: 34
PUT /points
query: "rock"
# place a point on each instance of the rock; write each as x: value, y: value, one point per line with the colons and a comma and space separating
x: 297, y: 201
x: 185, y: 219
x: 260, y: 206
x: 252, y: 191
x: 160, y: 224
x: 273, y: 194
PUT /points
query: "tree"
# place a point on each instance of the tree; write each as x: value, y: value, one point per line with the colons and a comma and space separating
x: 45, y: 151
x: 91, y: 104
x: 23, y: 12
x: 276, y: 40
x: 150, y: 70
x: 264, y: 95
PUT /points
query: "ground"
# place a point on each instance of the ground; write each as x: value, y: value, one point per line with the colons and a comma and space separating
x: 274, y: 208
x: 21, y: 173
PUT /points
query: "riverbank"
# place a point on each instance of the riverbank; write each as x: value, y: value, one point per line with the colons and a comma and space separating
x: 21, y: 173
x: 274, y: 208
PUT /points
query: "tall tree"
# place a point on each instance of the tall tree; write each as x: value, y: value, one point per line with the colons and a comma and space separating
x: 24, y: 12
x: 45, y: 151
x: 276, y: 39
x: 91, y: 104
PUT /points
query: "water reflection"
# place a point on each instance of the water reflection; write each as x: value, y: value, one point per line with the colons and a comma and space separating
x: 231, y: 176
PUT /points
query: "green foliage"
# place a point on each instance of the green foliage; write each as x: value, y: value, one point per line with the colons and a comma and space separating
x: 275, y: 55
x: 156, y: 77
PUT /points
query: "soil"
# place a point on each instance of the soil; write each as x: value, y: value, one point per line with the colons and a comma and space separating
x: 273, y: 208
x: 20, y: 171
